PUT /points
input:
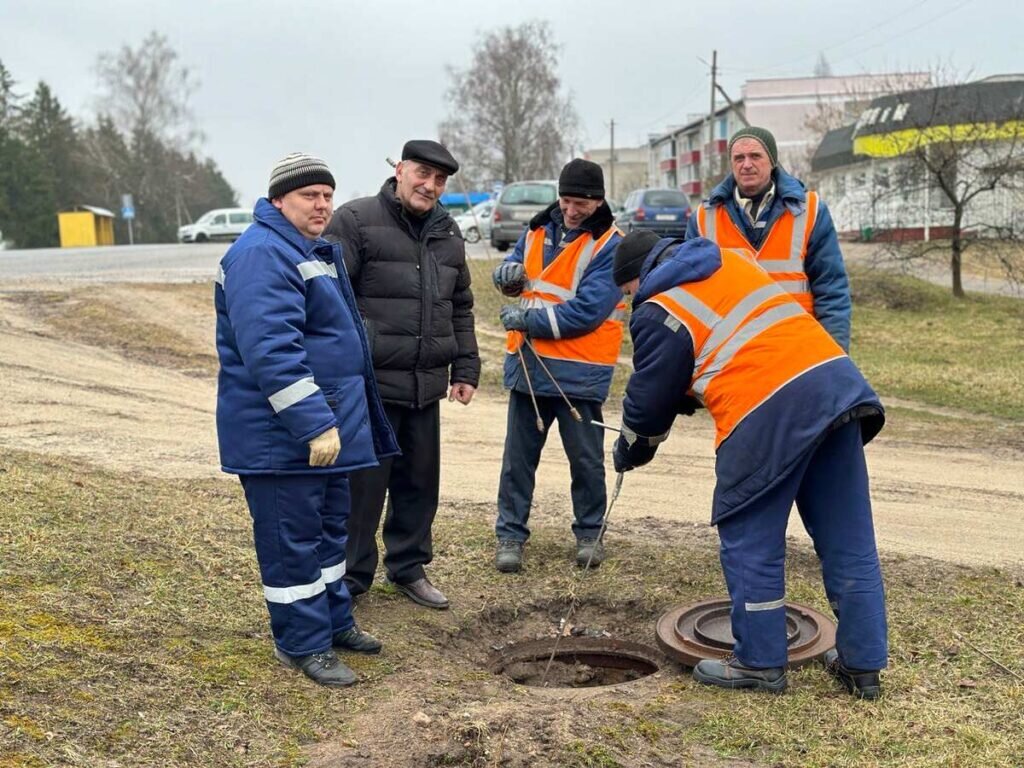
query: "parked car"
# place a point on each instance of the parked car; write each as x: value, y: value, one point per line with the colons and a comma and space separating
x: 218, y: 224
x: 519, y: 202
x: 665, y: 212
x: 475, y: 228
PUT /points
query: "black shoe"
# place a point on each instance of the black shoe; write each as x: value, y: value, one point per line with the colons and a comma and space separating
x: 862, y: 683
x: 354, y: 639
x: 422, y: 592
x: 589, y: 553
x: 730, y: 673
x: 508, y: 557
x: 323, y: 668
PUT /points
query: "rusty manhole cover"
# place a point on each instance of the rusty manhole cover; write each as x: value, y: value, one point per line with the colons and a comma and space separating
x: 689, y: 633
x: 580, y: 662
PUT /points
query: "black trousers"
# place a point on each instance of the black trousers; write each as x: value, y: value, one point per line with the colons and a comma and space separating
x: 411, y: 483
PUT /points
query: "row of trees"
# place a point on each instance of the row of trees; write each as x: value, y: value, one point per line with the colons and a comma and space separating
x: 140, y: 143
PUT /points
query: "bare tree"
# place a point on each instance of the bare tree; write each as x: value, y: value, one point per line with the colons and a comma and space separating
x: 508, y: 119
x: 146, y: 91
x: 954, y: 156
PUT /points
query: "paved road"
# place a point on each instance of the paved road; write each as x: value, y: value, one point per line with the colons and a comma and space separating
x: 122, y: 263
x: 131, y: 264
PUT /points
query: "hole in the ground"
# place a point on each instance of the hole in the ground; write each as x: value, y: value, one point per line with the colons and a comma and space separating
x: 579, y: 662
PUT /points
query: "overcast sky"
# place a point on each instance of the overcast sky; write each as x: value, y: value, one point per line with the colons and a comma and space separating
x: 351, y: 81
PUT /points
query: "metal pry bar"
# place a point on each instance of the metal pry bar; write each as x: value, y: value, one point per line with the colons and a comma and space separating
x: 529, y: 385
x: 572, y: 602
x: 572, y: 408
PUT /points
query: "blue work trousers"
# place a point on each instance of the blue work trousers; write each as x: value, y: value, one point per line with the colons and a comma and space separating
x: 299, y: 529
x: 584, y: 447
x: 830, y: 487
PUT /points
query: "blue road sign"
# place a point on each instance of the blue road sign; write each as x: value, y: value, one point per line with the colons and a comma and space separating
x: 127, y: 212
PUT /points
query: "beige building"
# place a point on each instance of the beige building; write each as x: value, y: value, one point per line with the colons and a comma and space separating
x: 628, y: 172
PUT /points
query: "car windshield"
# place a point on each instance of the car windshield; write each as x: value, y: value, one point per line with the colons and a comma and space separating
x: 206, y: 218
x: 529, y: 194
x: 665, y: 198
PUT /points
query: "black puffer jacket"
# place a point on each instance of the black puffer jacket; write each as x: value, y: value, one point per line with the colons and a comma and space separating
x: 413, y: 294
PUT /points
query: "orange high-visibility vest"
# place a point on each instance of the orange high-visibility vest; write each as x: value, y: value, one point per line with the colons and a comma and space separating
x: 782, y: 251
x: 750, y: 338
x: 547, y: 287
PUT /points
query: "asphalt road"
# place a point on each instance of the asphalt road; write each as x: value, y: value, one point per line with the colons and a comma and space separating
x: 188, y: 263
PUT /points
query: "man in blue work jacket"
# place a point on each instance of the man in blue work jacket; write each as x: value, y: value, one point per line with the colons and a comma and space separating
x: 297, y: 410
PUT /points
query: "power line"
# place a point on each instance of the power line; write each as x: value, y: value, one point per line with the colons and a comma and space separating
x: 888, y: 22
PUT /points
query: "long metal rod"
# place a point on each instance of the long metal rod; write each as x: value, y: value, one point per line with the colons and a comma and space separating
x: 529, y: 386
x: 572, y: 408
x: 573, y: 599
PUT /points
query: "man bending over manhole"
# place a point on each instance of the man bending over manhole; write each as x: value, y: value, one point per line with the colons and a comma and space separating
x: 792, y: 414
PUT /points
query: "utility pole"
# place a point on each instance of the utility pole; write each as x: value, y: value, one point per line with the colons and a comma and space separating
x: 611, y: 162
x: 709, y: 173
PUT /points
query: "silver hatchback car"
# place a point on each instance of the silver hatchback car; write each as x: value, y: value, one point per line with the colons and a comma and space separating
x: 519, y: 202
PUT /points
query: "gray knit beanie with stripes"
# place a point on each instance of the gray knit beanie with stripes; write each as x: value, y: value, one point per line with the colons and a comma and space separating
x: 298, y: 170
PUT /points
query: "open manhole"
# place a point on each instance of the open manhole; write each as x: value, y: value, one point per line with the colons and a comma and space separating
x: 580, y: 662
x: 689, y: 633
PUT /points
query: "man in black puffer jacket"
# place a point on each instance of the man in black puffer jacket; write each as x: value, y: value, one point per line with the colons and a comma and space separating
x: 407, y: 263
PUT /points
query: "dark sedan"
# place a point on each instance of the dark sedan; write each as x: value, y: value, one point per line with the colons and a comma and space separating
x: 663, y: 211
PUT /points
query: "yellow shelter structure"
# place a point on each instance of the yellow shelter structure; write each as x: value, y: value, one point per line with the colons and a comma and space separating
x: 86, y: 225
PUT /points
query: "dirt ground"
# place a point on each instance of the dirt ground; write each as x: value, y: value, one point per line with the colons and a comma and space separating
x: 134, y: 408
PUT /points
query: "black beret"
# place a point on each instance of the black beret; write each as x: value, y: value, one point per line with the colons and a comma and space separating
x: 431, y: 153
x: 630, y: 255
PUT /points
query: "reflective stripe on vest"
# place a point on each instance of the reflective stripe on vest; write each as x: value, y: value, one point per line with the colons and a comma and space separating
x: 750, y: 338
x: 782, y: 251
x: 547, y: 287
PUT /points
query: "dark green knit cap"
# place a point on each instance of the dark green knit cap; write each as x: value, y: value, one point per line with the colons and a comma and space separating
x: 763, y: 135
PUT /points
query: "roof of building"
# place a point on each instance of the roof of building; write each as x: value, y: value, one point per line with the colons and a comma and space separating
x: 836, y: 150
x: 983, y: 101
x: 896, y: 124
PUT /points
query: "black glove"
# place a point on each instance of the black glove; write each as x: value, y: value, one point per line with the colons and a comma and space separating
x: 513, y: 318
x: 510, y: 278
x: 626, y: 457
x: 689, y: 406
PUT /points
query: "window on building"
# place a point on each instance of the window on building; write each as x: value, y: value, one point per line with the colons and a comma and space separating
x: 723, y: 128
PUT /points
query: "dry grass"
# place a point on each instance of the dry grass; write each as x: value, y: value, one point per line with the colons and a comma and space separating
x: 84, y: 316
x: 132, y: 633
x: 914, y: 340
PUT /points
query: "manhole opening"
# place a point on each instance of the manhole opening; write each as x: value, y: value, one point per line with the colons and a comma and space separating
x: 578, y: 663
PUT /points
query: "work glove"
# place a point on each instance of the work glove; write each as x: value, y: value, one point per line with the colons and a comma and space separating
x: 626, y: 457
x: 689, y: 406
x: 324, y: 448
x: 513, y: 318
x: 510, y: 278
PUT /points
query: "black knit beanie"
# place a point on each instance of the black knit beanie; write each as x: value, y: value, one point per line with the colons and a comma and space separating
x: 581, y: 178
x: 295, y: 171
x: 630, y: 255
x: 761, y: 135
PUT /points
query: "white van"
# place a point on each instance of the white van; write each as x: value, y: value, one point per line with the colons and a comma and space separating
x: 218, y: 224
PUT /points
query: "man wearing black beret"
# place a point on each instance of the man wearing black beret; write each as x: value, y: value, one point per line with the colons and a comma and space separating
x: 407, y: 264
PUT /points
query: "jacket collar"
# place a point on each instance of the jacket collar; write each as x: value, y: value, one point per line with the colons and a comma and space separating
x: 437, y: 219
x: 269, y: 216
x: 673, y: 262
x: 787, y: 188
x: 599, y: 222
